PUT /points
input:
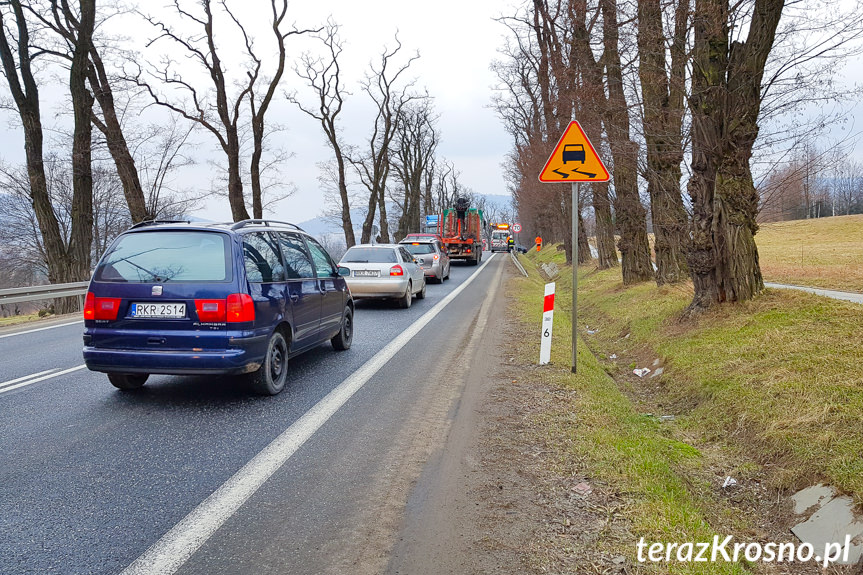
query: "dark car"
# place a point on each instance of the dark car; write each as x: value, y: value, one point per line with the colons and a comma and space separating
x: 242, y: 298
x: 573, y: 153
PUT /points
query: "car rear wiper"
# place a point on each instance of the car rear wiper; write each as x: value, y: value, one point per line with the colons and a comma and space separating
x: 154, y: 275
x: 357, y: 261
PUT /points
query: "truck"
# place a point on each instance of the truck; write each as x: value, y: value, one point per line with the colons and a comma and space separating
x: 499, y: 237
x: 460, y: 229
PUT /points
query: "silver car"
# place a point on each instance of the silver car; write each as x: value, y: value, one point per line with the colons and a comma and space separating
x: 431, y: 256
x: 383, y: 271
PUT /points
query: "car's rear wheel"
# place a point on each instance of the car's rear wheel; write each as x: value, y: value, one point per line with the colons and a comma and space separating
x: 271, y: 376
x: 342, y: 340
x: 405, y: 300
x: 422, y: 293
x: 128, y: 381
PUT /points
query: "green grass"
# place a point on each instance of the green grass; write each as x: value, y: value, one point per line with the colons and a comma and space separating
x: 777, y: 379
x: 657, y: 476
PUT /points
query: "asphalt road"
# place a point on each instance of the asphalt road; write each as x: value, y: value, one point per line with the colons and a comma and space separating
x: 91, y: 477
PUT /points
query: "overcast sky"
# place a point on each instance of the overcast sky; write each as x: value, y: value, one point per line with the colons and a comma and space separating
x: 456, y: 39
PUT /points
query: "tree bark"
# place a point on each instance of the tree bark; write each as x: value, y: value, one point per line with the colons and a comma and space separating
x: 663, y: 114
x: 591, y: 109
x: 81, y: 234
x: 25, y: 93
x: 631, y: 216
x: 113, y: 132
x: 726, y: 101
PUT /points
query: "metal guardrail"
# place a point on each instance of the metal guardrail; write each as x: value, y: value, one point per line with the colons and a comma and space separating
x: 50, y: 291
x: 517, y: 263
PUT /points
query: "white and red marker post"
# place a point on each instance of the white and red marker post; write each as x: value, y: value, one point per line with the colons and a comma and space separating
x: 547, y: 324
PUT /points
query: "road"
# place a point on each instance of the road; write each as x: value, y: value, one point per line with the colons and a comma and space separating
x: 196, y: 475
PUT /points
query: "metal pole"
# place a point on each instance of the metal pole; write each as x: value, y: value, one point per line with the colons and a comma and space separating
x: 574, y: 213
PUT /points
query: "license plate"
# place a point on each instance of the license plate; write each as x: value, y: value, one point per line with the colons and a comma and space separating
x: 367, y: 273
x: 158, y: 310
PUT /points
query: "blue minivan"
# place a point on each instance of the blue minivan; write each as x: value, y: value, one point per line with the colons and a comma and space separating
x: 191, y: 298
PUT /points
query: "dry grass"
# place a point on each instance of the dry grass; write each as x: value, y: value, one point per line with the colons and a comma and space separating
x: 16, y: 319
x: 823, y: 252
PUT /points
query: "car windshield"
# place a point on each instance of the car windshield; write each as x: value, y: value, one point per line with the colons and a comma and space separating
x: 369, y: 255
x: 420, y: 249
x: 499, y: 235
x: 182, y: 256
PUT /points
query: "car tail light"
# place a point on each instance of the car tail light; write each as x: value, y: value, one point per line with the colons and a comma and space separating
x: 468, y: 250
x: 90, y: 306
x: 397, y: 270
x: 211, y: 310
x: 101, y: 307
x: 240, y: 308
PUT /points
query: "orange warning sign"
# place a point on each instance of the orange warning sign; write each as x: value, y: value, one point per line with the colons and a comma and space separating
x: 574, y: 159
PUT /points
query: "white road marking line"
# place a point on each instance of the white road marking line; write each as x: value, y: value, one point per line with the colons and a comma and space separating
x: 17, y: 379
x: 177, y: 545
x: 38, y: 379
x: 41, y: 328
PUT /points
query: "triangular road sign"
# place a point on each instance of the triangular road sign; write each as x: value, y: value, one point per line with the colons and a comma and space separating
x: 574, y: 159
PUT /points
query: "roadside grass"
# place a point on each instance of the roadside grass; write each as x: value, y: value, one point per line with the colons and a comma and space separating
x: 775, y: 381
x: 16, y: 319
x: 820, y: 252
x: 656, y: 477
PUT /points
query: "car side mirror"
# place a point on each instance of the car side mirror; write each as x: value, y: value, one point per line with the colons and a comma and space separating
x: 344, y: 272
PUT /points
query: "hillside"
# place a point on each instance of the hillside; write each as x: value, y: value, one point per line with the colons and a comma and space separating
x: 822, y: 252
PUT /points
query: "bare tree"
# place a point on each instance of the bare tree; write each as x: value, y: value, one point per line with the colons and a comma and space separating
x: 631, y: 222
x: 323, y: 75
x: 259, y: 108
x: 67, y: 258
x: 200, y: 47
x: 64, y: 22
x: 415, y: 146
x: 373, y: 167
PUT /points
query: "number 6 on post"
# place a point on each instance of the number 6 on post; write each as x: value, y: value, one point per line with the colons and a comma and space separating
x: 547, y: 324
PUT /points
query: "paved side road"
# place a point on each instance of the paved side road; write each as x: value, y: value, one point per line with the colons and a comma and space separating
x: 841, y: 295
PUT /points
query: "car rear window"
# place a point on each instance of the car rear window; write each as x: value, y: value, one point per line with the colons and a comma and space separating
x: 420, y: 249
x: 370, y: 256
x: 181, y: 256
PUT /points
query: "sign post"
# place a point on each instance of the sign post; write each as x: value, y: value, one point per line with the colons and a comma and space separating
x: 574, y: 160
x: 547, y: 324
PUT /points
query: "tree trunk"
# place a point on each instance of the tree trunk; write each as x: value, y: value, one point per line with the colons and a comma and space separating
x: 663, y: 112
x: 631, y: 216
x: 606, y: 250
x: 726, y: 100
x: 81, y: 236
x: 255, y: 164
x: 235, y: 182
x: 584, y: 254
x: 26, y: 95
x: 370, y: 219
x: 117, y: 146
x: 347, y: 224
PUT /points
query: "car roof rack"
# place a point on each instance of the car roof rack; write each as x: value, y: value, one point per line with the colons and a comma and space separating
x: 155, y: 222
x: 243, y: 223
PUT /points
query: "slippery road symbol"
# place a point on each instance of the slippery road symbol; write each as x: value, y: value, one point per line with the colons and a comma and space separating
x: 564, y: 175
x: 574, y: 159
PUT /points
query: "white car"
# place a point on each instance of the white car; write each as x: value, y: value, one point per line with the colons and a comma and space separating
x: 383, y: 271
